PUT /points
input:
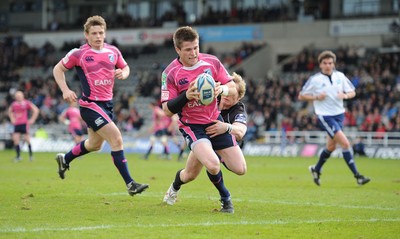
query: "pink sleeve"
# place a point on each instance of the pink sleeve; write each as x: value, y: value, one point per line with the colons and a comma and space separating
x: 168, y: 87
x: 29, y: 104
x: 121, y: 63
x: 71, y: 59
x: 222, y: 74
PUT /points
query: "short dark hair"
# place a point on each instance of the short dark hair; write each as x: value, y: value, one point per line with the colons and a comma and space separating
x: 184, y: 34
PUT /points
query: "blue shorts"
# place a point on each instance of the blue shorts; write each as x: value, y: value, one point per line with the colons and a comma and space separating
x: 21, y: 128
x: 194, y: 132
x: 161, y: 132
x: 96, y: 114
x: 76, y: 132
x: 331, y: 124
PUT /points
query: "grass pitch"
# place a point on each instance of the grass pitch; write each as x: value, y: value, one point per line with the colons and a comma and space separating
x: 275, y: 199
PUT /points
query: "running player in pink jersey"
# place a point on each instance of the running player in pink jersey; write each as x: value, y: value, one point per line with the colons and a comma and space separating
x: 19, y: 116
x: 159, y: 130
x: 72, y: 117
x: 179, y: 96
x: 98, y: 64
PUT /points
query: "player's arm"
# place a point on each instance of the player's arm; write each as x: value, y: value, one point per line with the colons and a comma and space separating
x: 35, y: 113
x: 59, y: 75
x: 307, y: 97
x: 231, y: 88
x: 62, y: 118
x: 122, y: 74
x: 11, y: 115
x: 175, y: 105
x: 237, y: 129
x: 312, y: 97
x: 347, y: 95
x: 227, y: 89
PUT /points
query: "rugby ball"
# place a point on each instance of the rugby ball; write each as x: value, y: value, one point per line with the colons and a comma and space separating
x: 205, y: 86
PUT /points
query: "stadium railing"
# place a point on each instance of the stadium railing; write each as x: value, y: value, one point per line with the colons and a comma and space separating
x: 319, y: 137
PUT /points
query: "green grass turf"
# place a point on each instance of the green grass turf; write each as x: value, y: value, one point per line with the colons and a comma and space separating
x: 275, y: 199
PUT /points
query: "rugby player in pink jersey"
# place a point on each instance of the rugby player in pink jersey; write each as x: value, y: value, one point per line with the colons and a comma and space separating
x: 72, y: 117
x: 97, y: 64
x: 159, y: 130
x: 179, y: 96
x: 19, y: 116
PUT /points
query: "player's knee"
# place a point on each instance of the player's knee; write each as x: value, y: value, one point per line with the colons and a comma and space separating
x: 242, y: 170
x: 213, y: 168
x: 96, y: 147
x: 116, y: 142
x: 331, y: 148
x: 238, y: 170
x: 164, y: 139
x: 189, y: 177
x: 346, y: 145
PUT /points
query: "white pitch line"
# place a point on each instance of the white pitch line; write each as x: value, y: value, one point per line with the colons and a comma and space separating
x: 317, y: 204
x: 201, y: 224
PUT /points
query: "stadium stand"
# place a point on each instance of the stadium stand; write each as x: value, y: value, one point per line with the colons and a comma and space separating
x: 272, y: 104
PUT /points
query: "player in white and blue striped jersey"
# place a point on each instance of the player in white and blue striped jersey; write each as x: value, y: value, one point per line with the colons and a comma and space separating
x: 327, y: 90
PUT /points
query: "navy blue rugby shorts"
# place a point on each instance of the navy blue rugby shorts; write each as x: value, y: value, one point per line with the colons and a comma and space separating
x: 331, y: 124
x: 195, y: 132
x: 96, y: 114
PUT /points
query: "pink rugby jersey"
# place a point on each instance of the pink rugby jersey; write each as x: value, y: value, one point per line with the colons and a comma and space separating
x: 95, y: 69
x: 20, y: 111
x: 74, y: 117
x: 176, y: 78
x: 160, y: 120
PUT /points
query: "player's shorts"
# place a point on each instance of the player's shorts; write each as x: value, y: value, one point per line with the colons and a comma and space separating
x: 161, y: 132
x: 21, y: 128
x: 96, y: 114
x: 76, y: 132
x: 331, y: 124
x: 195, y: 132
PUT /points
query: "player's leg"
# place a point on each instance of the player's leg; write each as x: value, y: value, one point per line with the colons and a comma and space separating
x: 206, y: 155
x: 164, y: 141
x: 325, y: 154
x: 234, y: 160
x: 95, y: 118
x: 112, y: 135
x: 182, y: 148
x: 183, y: 176
x: 316, y: 169
x: 202, y: 154
x: 192, y: 169
x: 27, y: 139
x: 152, y: 141
x: 16, y: 137
x: 77, y: 134
x: 348, y: 156
x: 326, y: 123
x: 225, y: 144
x: 92, y: 143
x: 344, y: 143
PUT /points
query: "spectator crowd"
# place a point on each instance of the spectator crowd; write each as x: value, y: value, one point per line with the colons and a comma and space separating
x: 271, y: 102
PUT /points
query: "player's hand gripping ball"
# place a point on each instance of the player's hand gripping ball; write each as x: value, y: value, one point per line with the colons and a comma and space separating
x: 205, y: 86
